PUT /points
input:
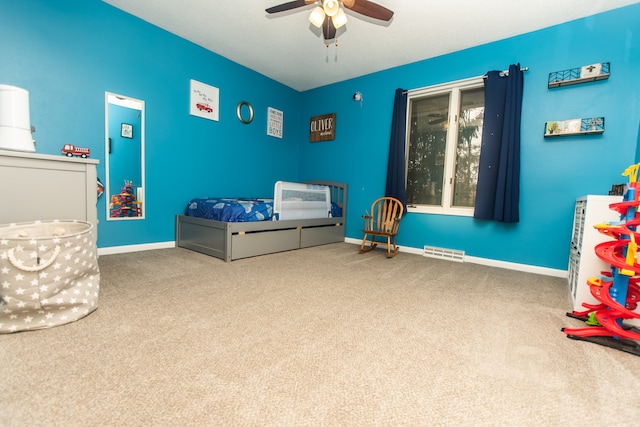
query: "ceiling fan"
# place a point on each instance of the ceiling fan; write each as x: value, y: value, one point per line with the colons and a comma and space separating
x: 330, y: 16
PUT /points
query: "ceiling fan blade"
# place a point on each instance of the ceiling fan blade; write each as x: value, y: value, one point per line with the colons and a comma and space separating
x: 288, y: 6
x: 370, y: 9
x: 328, y: 29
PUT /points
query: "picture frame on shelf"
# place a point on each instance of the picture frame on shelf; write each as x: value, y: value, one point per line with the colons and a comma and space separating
x: 577, y: 75
x: 585, y: 126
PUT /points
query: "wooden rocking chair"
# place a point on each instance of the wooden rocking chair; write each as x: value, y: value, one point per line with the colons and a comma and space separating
x: 383, y: 222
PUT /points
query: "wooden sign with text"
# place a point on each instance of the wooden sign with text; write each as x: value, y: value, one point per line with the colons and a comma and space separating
x: 322, y: 128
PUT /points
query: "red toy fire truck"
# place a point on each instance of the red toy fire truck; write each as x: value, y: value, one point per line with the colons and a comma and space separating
x: 71, y: 150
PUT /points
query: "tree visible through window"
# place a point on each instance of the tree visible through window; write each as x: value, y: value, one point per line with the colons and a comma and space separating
x: 444, y: 138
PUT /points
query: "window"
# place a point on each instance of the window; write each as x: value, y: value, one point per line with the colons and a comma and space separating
x: 444, y: 135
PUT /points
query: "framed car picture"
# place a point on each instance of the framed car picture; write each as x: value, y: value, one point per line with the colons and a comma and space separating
x: 204, y: 100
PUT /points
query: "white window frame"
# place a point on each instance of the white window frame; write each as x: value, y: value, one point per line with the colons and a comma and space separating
x: 455, y: 88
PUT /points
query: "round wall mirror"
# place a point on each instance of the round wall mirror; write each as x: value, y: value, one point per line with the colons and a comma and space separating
x: 244, y: 111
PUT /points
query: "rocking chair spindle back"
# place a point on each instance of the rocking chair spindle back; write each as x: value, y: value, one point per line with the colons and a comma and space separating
x: 382, y: 222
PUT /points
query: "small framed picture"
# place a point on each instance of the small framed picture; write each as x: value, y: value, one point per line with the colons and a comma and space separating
x: 126, y: 130
x: 205, y: 101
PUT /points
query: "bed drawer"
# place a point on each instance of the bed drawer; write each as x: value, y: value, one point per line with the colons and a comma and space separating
x: 208, y: 240
x: 258, y: 243
x: 314, y: 236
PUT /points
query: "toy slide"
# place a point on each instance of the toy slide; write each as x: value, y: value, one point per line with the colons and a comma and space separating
x: 610, y: 333
x: 607, y: 315
x: 612, y: 253
x: 618, y: 291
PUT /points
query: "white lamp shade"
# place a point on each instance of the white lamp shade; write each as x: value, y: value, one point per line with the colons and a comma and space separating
x: 339, y: 19
x: 15, y: 125
x: 330, y: 7
x: 317, y: 16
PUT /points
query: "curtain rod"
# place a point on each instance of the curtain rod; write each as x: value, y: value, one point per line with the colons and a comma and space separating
x: 502, y: 74
x: 506, y: 72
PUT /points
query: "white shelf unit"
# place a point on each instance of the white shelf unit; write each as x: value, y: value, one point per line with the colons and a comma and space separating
x: 583, y: 261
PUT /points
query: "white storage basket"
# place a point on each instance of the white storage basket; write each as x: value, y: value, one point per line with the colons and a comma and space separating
x: 49, y: 274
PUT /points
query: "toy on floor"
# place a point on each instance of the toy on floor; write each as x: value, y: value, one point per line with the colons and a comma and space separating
x: 617, y: 291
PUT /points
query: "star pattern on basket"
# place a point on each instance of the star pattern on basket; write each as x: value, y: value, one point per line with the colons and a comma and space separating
x: 47, y: 281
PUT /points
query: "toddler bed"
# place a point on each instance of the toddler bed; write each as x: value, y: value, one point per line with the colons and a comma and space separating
x: 299, y: 215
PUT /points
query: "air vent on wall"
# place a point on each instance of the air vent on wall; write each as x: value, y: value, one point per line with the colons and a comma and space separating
x: 441, y: 253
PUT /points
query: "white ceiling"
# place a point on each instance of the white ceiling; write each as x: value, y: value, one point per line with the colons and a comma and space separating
x: 288, y: 49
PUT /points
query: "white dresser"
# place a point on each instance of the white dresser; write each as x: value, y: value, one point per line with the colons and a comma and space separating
x: 43, y: 187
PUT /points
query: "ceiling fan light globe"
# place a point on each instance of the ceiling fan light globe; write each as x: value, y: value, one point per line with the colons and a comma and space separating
x: 317, y: 17
x: 330, y: 7
x: 339, y: 19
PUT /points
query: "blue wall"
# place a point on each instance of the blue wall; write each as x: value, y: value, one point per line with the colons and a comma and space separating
x: 554, y: 171
x: 69, y: 52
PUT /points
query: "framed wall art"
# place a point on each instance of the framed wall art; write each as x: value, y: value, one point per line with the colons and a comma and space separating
x: 275, y: 122
x: 322, y: 128
x: 204, y: 101
x: 126, y: 130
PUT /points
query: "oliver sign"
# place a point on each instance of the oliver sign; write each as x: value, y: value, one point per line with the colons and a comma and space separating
x: 322, y: 128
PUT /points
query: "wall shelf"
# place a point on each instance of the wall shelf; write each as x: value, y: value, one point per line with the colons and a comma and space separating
x: 589, y: 126
x: 586, y: 74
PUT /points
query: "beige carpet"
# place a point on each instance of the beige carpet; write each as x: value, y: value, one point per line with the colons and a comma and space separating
x: 316, y: 337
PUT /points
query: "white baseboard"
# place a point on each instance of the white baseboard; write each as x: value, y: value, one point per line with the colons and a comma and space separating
x: 135, y: 248
x: 489, y: 262
x: 417, y: 251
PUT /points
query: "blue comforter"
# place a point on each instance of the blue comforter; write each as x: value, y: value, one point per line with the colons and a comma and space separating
x: 231, y: 210
x: 238, y: 210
